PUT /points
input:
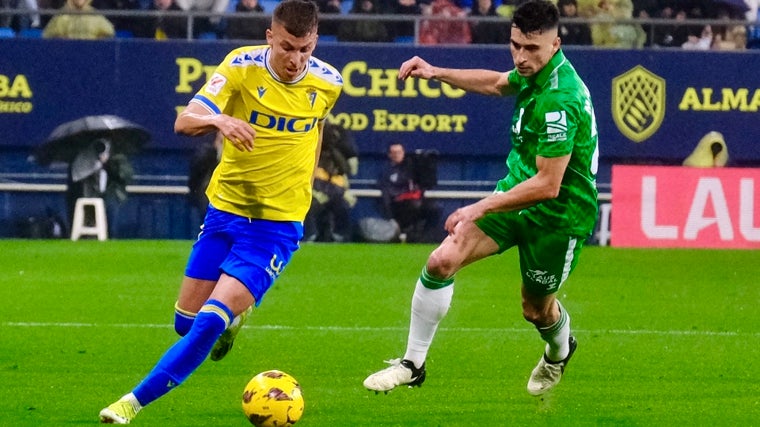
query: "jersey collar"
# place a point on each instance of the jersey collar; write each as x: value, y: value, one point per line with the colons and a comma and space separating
x: 274, y: 74
x: 543, y: 76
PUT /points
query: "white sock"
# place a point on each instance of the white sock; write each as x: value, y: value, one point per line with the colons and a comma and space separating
x: 130, y: 397
x: 429, y: 306
x: 557, y: 336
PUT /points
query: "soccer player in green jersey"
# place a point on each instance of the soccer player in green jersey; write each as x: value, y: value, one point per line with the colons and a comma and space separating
x: 269, y: 102
x: 546, y: 205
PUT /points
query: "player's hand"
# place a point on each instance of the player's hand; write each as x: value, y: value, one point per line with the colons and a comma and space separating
x: 470, y: 213
x: 238, y: 132
x: 416, y: 67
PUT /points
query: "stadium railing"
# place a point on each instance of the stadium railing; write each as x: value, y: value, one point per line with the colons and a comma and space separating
x: 462, y: 191
x: 649, y: 24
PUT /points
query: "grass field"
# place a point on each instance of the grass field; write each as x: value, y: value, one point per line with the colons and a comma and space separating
x: 666, y: 338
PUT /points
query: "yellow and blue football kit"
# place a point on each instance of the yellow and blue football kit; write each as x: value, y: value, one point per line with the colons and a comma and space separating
x: 258, y: 199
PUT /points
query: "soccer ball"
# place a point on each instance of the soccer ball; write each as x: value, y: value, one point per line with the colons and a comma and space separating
x: 273, y: 399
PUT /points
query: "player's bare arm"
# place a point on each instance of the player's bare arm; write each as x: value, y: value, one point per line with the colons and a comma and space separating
x: 544, y: 185
x: 196, y: 120
x: 485, y: 82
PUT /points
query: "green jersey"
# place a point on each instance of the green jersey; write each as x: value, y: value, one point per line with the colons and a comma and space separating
x: 554, y: 117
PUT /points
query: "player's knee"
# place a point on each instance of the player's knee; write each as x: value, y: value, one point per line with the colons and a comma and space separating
x: 182, y: 324
x: 183, y: 321
x: 440, y: 266
x: 539, y: 316
x: 212, y: 320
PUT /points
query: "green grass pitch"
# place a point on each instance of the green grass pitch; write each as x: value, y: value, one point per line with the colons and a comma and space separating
x: 666, y: 338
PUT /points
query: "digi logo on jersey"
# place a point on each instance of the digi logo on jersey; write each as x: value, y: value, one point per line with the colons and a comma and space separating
x: 282, y: 124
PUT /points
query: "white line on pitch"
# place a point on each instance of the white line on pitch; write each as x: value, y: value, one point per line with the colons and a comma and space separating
x: 386, y: 329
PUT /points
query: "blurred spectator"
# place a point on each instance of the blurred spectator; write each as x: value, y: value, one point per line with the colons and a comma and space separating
x: 610, y: 33
x: 572, y: 33
x: 251, y: 27
x: 123, y: 23
x: 79, y: 26
x: 729, y: 37
x: 27, y: 18
x: 102, y: 175
x: 327, y: 26
x: 205, y: 25
x: 488, y: 32
x: 674, y: 35
x: 753, y: 30
x: 402, y: 184
x: 47, y: 4
x: 506, y: 8
x: 329, y: 218
x: 701, y: 41
x: 205, y: 159
x: 364, y: 30
x: 447, y: 30
x: 161, y: 26
x: 410, y: 8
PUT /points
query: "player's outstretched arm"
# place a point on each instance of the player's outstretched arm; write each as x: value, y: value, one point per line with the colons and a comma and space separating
x: 196, y: 120
x: 486, y: 82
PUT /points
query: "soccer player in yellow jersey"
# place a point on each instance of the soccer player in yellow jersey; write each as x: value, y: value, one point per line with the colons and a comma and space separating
x: 269, y: 102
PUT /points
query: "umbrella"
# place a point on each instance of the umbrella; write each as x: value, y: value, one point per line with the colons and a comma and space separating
x: 71, y: 138
x: 738, y: 7
x: 90, y: 160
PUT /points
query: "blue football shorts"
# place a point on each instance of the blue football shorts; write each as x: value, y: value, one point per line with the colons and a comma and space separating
x: 254, y: 251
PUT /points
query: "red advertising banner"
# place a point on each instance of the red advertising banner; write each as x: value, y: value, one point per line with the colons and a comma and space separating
x: 673, y: 206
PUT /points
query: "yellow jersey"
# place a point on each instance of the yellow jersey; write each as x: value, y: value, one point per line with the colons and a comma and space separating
x: 273, y: 181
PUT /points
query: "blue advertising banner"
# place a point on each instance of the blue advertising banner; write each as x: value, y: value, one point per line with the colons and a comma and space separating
x: 650, y: 104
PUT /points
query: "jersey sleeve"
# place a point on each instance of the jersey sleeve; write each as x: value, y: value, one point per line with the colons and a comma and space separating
x: 221, y: 87
x: 557, y: 117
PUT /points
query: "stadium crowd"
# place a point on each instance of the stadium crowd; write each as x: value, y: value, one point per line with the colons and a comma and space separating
x: 687, y: 24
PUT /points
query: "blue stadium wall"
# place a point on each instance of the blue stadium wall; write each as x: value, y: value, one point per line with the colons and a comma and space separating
x: 651, y: 106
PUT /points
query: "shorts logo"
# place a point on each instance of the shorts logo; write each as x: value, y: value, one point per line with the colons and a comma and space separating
x: 638, y: 103
x: 543, y: 278
x: 556, y: 126
x: 275, y: 267
x: 215, y: 84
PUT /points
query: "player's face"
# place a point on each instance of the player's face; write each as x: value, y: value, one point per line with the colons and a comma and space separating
x: 290, y: 54
x: 532, y: 51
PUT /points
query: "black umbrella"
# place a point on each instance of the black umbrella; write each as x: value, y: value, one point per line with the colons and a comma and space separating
x: 71, y: 138
x: 738, y: 7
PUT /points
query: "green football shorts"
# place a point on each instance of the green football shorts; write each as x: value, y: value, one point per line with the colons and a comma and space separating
x: 546, y: 256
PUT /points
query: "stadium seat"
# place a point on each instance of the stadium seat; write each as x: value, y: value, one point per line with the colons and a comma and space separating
x: 31, y: 33
x: 404, y: 39
x: 346, y: 6
x: 328, y: 38
x: 269, y: 5
x: 209, y: 35
x: 124, y: 34
x: 78, y: 227
x: 7, y: 33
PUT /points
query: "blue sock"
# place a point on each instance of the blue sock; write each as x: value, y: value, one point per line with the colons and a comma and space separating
x: 186, y: 354
x: 183, y: 320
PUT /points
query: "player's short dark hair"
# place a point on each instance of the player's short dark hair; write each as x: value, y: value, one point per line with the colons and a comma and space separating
x: 536, y: 15
x: 299, y: 17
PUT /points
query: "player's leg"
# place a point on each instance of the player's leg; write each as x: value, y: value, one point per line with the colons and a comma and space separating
x: 546, y: 263
x: 202, y: 269
x: 230, y: 297
x: 192, y: 294
x: 262, y: 250
x: 430, y: 303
